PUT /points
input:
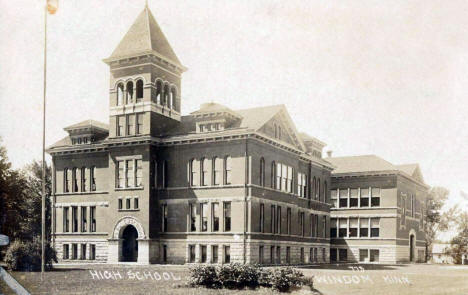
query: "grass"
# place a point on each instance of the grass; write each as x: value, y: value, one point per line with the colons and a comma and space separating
x: 422, y: 279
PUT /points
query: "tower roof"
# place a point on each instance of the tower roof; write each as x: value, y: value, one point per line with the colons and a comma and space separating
x: 144, y: 36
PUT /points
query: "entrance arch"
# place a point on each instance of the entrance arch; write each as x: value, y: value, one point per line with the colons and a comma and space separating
x: 129, y: 237
x: 129, y: 244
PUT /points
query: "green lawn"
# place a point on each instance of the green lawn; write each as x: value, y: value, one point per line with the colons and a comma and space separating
x: 330, y: 279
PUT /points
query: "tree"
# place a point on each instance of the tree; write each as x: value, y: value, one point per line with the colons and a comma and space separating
x: 459, y: 244
x: 435, y: 220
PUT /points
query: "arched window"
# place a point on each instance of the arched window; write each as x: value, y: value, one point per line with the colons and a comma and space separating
x: 173, y: 98
x: 129, y: 92
x: 84, y: 180
x: 92, y: 178
x: 262, y: 172
x: 166, y: 94
x: 158, y: 92
x: 120, y: 94
x: 193, y: 172
x: 273, y: 174
x: 66, y: 181
x: 205, y: 168
x: 139, y: 90
x: 227, y: 170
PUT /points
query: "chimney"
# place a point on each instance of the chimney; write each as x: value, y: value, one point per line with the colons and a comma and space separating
x: 329, y: 153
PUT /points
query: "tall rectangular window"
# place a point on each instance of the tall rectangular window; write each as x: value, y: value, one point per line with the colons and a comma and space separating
x: 83, y: 251
x: 164, y: 217
x: 227, y: 216
x: 288, y: 220
x: 204, y: 216
x: 74, y: 219
x: 214, y: 254
x: 288, y: 255
x: 227, y: 170
x: 343, y: 198
x: 365, y: 197
x: 191, y: 253
x: 92, y: 178
x: 92, y: 252
x: 193, y: 217
x: 75, y: 187
x: 194, y: 166
x: 215, y: 216
x: 333, y: 231
x: 301, y: 222
x: 373, y: 255
x: 302, y: 255
x: 364, y: 227
x: 139, y: 123
x: 343, y: 227
x: 353, y: 198
x: 272, y: 254
x: 353, y: 227
x: 130, y: 124
x: 334, y: 198
x: 363, y: 255
x: 289, y: 181
x: 92, y: 216
x: 278, y: 254
x: 262, y: 218
x: 121, y: 174
x: 375, y: 197
x: 205, y: 177
x: 260, y: 254
x: 84, y: 180
x: 227, y: 254
x: 65, y: 251
x: 120, y: 125
x: 135, y: 203
x: 66, y: 180
x: 217, y: 171
x: 129, y: 176
x: 127, y: 203
x: 203, y: 253
x: 139, y: 173
x: 324, y: 226
x: 74, y: 251
x: 301, y: 184
x: 273, y: 220
x: 278, y: 218
x: 375, y: 227
x: 120, y: 204
x: 66, y: 220
x: 279, y: 177
x: 164, y: 253
x: 84, y: 220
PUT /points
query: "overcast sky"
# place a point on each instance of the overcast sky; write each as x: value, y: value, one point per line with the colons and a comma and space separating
x: 366, y: 77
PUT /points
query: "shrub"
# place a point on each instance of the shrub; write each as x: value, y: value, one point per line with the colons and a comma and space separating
x: 26, y: 256
x: 239, y: 276
x: 282, y: 279
x: 204, y: 275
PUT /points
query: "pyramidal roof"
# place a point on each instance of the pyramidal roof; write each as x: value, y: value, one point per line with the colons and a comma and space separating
x: 144, y: 36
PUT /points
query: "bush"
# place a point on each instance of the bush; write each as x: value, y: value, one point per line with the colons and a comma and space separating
x: 26, y: 256
x: 282, y: 279
x: 203, y: 275
x: 238, y: 276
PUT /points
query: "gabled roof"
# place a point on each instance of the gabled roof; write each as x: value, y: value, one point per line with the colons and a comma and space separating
x: 88, y: 123
x: 359, y: 164
x: 255, y: 118
x: 412, y: 170
x: 144, y: 36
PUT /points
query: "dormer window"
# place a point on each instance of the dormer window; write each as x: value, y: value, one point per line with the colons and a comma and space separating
x: 209, y: 126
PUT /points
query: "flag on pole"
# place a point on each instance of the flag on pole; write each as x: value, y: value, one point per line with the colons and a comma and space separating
x: 52, y: 6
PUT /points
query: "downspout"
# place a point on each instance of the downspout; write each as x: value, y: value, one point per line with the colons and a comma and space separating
x: 52, y: 203
x: 246, y: 191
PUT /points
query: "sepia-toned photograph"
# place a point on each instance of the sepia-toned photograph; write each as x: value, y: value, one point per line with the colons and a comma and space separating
x: 233, y: 147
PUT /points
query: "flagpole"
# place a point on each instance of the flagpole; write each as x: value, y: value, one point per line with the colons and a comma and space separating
x: 43, y: 146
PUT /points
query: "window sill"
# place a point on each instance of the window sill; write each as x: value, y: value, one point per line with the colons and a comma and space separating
x: 137, y: 188
x: 80, y: 233
x: 82, y: 193
x: 127, y: 210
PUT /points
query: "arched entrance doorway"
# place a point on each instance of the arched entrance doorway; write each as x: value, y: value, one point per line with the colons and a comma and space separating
x: 411, y: 241
x: 129, y: 244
